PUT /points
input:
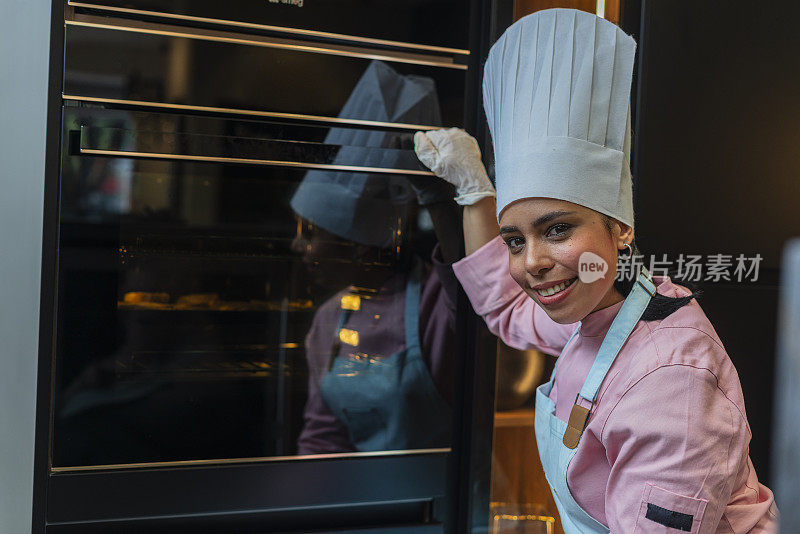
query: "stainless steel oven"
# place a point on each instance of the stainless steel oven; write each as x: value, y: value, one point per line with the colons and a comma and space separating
x: 237, y: 223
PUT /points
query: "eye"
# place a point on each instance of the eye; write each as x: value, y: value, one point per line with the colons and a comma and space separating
x: 561, y: 230
x: 515, y: 244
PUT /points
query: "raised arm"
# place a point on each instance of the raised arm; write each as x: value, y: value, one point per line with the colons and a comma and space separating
x: 453, y: 155
x: 480, y: 224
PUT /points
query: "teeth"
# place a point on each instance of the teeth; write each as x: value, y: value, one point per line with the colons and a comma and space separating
x: 555, y: 289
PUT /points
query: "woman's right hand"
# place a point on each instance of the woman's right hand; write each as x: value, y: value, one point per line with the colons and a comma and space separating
x: 453, y: 155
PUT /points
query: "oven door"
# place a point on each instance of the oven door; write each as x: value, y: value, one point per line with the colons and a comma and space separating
x: 210, y: 285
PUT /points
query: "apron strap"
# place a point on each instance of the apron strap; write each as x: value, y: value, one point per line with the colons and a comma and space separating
x: 411, y: 313
x: 632, y: 309
x: 622, y: 326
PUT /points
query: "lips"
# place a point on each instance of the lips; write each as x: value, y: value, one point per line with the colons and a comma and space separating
x: 553, y: 289
x: 554, y: 299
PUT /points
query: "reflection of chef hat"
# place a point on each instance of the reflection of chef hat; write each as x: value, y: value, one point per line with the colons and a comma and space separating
x: 364, y: 207
x: 358, y: 207
x: 556, y: 91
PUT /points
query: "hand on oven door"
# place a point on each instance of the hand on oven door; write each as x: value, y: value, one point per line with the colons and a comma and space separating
x: 453, y: 155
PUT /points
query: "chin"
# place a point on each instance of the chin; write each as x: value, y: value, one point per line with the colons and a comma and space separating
x: 561, y: 316
x: 565, y: 317
x: 571, y: 313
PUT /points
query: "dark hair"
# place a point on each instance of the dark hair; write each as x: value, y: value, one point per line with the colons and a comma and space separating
x: 660, y: 306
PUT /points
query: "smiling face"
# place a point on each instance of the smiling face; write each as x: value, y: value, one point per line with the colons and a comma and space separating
x: 548, y: 241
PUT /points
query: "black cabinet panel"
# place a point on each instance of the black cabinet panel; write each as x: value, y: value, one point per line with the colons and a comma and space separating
x: 716, y: 147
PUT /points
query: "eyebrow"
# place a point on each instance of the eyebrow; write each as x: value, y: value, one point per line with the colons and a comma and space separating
x: 544, y: 219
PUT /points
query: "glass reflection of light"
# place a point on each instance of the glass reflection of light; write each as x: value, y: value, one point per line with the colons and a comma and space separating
x: 520, y: 517
x: 351, y: 302
x: 348, y: 336
x: 398, y: 237
x: 349, y: 368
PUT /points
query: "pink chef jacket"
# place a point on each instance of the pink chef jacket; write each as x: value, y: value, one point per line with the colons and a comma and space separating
x: 669, y: 426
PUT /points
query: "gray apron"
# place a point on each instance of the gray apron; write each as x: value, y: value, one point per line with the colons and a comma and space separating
x: 390, y: 403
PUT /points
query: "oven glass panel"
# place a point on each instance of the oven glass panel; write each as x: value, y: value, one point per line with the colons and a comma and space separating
x: 146, y: 68
x: 218, y: 308
x: 425, y: 22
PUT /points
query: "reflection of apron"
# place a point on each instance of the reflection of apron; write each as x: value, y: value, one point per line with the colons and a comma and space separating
x: 389, y: 403
x: 557, y: 440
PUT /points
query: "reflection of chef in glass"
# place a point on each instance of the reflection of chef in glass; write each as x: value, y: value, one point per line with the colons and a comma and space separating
x: 380, y: 350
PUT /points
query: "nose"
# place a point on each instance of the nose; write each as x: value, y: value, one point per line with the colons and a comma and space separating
x: 537, y: 261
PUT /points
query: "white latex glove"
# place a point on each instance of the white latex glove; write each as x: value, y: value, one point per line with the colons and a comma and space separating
x: 453, y: 154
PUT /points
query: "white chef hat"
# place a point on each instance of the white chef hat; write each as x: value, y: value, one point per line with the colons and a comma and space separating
x: 556, y: 90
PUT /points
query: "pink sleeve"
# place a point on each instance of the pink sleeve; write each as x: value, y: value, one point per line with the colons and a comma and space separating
x: 676, y: 444
x: 509, y: 313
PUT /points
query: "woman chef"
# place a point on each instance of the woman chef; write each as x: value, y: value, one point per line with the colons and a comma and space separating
x: 642, y: 426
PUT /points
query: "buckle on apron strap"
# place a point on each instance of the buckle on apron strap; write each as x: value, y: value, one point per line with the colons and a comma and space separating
x: 649, y: 279
x: 578, y: 418
x: 653, y: 295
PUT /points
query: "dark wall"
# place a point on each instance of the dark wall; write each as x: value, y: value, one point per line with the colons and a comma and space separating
x: 716, y: 165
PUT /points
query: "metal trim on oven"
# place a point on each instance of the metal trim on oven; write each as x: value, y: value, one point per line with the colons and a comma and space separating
x: 247, y: 112
x: 265, y: 27
x: 231, y: 461
x: 247, y: 161
x: 85, y: 151
x: 266, y: 42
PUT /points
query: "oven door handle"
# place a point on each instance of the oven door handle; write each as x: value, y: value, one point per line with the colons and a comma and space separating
x: 168, y: 146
